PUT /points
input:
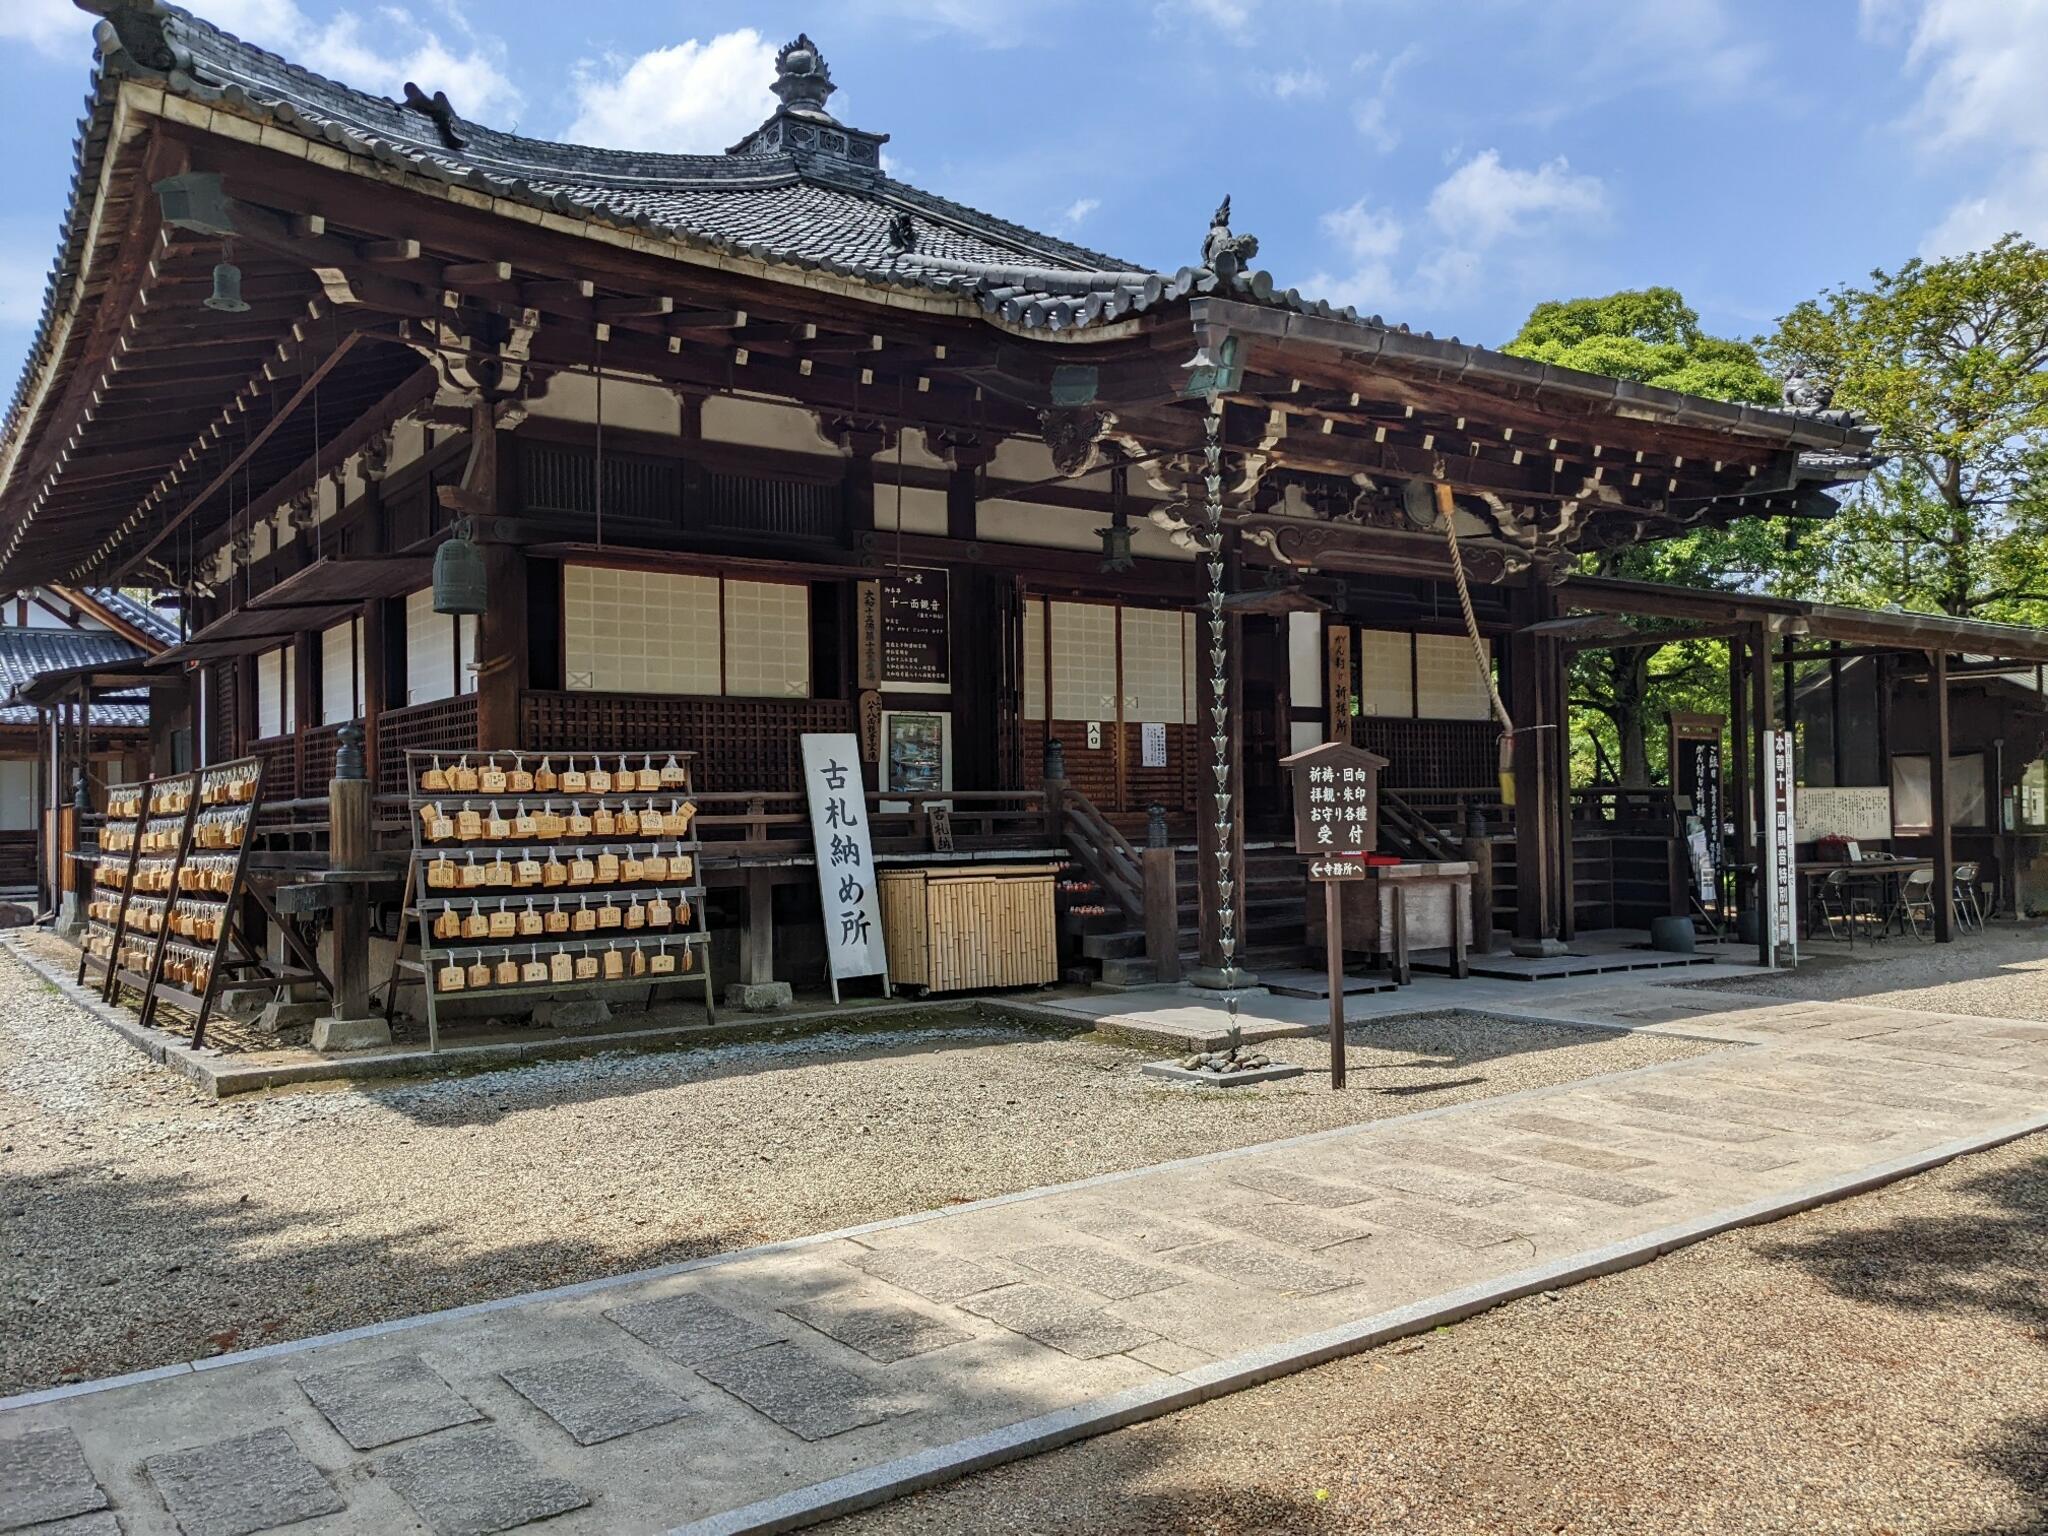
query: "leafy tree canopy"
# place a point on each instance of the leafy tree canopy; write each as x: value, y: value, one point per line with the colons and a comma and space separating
x: 1949, y: 360
x: 1650, y: 335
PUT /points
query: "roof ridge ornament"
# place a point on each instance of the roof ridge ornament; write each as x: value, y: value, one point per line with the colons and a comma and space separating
x: 802, y: 77
x: 133, y: 27
x: 1224, y: 253
x: 438, y: 108
x: 800, y: 126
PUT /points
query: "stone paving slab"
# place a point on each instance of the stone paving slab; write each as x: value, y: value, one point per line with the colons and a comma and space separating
x: 691, y: 1328
x: 1066, y: 1323
x: 233, y: 1487
x: 761, y: 1389
x: 478, y: 1482
x: 44, y: 1476
x: 596, y: 1398
x: 384, y: 1401
x: 805, y: 1395
x: 931, y: 1274
x: 1097, y: 1269
x: 883, y: 1332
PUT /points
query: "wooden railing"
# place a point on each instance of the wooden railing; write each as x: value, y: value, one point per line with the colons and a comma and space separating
x: 1608, y: 805
x: 738, y: 826
x: 1104, y: 852
x: 444, y: 725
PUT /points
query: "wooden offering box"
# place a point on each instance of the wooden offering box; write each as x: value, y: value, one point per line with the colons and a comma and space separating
x: 955, y: 928
x: 1400, y: 908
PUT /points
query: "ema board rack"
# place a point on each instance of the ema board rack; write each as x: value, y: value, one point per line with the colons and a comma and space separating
x: 543, y: 874
x: 167, y: 892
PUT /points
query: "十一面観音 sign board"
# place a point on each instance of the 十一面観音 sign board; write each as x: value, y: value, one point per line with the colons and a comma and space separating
x: 846, y: 856
x: 915, y: 632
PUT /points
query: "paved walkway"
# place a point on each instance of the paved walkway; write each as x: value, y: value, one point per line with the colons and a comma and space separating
x: 758, y: 1390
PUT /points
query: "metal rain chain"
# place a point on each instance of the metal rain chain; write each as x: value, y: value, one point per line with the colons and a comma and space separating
x: 1219, y: 704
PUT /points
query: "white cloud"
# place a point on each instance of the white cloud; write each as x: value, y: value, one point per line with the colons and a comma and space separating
x: 53, y: 27
x: 1370, y: 239
x: 1231, y: 17
x: 1483, y: 202
x: 1981, y: 64
x: 1306, y: 83
x: 379, y: 50
x: 693, y: 98
x: 1390, y: 263
x: 1078, y: 210
x: 1373, y: 112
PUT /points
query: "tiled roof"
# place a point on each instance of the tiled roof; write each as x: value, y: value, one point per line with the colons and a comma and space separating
x: 151, y: 621
x: 27, y: 653
x: 804, y: 190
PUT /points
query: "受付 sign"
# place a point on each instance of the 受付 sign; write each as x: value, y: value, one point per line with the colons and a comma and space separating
x: 846, y: 857
x: 1336, y: 799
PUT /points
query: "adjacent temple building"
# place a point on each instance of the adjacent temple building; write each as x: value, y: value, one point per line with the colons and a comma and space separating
x: 715, y: 451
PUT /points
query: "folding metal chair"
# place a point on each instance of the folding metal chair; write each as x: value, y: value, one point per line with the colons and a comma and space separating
x: 1916, y: 902
x: 1969, y: 907
x: 1842, y: 906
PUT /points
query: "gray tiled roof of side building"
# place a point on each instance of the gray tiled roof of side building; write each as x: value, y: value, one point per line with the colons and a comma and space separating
x: 27, y: 653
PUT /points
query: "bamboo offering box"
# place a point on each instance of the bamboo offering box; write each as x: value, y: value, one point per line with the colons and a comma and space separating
x: 544, y: 873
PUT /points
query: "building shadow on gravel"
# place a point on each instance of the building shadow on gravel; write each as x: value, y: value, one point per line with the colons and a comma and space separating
x: 108, y: 1270
x: 1984, y: 1262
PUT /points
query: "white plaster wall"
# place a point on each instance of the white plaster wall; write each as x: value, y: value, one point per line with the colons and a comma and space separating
x: 923, y: 511
x: 1305, y: 660
x: 763, y: 424
x: 629, y: 405
x: 1049, y: 527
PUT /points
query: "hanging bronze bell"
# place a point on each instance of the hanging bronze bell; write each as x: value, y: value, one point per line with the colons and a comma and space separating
x: 227, y: 289
x: 459, y: 584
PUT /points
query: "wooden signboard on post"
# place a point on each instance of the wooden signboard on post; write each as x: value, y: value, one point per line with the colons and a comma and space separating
x: 1336, y: 824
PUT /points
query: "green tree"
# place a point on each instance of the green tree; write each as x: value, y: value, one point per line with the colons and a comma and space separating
x: 1652, y: 335
x: 1949, y: 360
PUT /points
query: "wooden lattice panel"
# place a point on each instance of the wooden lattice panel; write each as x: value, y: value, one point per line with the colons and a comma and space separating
x: 446, y: 725
x: 1431, y: 754
x: 743, y: 744
x: 638, y: 488
x: 795, y: 509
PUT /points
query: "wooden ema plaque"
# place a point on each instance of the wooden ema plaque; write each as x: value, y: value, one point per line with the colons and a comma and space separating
x: 1336, y: 823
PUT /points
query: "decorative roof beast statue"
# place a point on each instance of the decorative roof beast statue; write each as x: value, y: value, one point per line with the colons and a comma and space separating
x: 1223, y: 253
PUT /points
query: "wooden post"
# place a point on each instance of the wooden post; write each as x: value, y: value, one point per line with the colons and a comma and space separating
x: 349, y: 849
x: 1333, y: 947
x: 1937, y: 789
x: 1536, y: 815
x: 1162, y: 912
x: 759, y: 960
x: 351, y: 845
x: 1739, y: 752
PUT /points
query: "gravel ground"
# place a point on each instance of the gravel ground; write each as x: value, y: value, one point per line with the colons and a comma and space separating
x: 1999, y: 973
x: 1877, y: 1367
x: 146, y: 1225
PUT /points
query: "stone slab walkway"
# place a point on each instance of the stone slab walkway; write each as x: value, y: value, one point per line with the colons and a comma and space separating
x: 763, y: 1389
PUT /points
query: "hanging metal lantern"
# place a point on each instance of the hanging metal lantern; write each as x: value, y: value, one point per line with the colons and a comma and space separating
x: 1116, y: 538
x: 459, y: 583
x: 227, y: 289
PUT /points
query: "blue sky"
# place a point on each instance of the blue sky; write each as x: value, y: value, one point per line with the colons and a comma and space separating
x: 1447, y: 164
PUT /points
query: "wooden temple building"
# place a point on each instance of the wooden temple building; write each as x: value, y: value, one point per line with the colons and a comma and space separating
x: 764, y: 443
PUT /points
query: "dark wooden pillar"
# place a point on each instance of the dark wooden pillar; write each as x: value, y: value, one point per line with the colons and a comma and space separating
x: 1937, y: 790
x: 501, y: 632
x: 1540, y: 882
x: 860, y: 441
x: 373, y: 535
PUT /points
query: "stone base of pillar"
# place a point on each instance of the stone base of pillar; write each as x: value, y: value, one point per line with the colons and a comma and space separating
x: 1214, y: 980
x: 759, y: 996
x: 1538, y: 949
x: 350, y: 1034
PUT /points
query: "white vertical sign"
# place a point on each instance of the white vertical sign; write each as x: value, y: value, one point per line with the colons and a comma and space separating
x: 846, y: 858
x: 1780, y: 898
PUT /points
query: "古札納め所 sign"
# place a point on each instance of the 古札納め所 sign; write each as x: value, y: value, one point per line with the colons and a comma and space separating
x: 846, y: 857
